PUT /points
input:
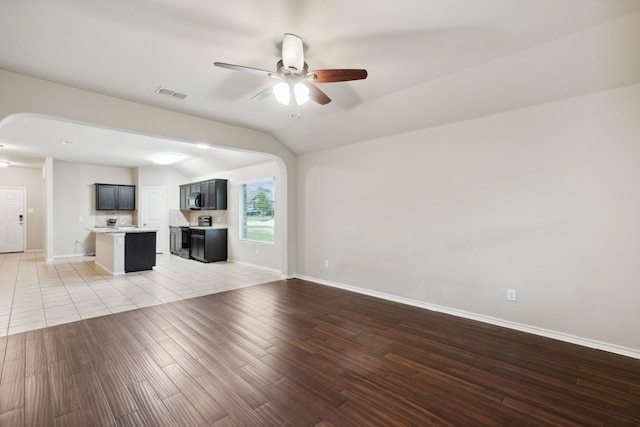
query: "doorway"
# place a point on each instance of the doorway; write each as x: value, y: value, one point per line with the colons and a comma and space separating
x: 12, y: 219
x: 153, y: 214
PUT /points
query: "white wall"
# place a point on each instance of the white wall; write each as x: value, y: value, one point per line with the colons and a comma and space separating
x: 31, y: 180
x: 74, y: 197
x: 161, y: 176
x: 269, y: 256
x: 545, y: 200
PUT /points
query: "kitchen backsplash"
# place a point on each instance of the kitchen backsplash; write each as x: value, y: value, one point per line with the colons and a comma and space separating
x: 179, y: 218
x: 176, y: 217
x: 103, y: 216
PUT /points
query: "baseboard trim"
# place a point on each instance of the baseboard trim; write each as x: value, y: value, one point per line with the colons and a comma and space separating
x: 561, y: 336
x: 261, y: 267
x: 71, y: 256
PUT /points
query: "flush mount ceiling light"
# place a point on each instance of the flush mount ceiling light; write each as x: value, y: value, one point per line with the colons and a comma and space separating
x: 203, y: 145
x: 4, y: 164
x: 295, y: 79
x: 168, y: 158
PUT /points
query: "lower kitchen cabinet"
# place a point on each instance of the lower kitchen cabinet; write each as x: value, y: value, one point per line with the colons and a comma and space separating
x: 208, y: 245
x: 139, y: 251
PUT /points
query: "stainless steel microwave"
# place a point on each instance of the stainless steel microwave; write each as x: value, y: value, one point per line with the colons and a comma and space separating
x: 194, y: 201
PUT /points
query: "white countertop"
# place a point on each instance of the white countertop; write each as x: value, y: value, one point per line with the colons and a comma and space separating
x: 125, y: 229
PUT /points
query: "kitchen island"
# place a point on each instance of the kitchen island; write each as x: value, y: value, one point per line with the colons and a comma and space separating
x: 125, y: 249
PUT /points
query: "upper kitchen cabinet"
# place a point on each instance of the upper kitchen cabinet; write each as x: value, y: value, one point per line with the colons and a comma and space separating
x: 126, y: 197
x: 112, y: 197
x: 184, y: 196
x: 214, y: 194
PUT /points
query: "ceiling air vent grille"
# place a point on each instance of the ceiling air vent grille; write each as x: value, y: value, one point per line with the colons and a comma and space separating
x: 168, y: 92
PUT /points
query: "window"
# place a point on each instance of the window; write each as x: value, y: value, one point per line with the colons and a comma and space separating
x: 257, y: 211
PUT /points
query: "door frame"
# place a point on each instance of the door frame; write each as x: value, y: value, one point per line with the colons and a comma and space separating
x: 164, y: 228
x: 25, y: 222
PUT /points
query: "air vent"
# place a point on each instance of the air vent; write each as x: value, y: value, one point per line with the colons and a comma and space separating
x: 168, y: 92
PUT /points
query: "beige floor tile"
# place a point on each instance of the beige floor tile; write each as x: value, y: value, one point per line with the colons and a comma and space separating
x: 86, y: 307
x: 27, y: 327
x: 96, y: 313
x: 68, y: 310
x: 124, y: 307
x: 26, y: 317
x: 35, y: 293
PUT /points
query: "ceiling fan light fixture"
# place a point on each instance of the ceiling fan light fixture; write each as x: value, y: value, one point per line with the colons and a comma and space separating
x: 292, y: 51
x: 296, y: 81
x: 282, y: 91
x: 301, y: 92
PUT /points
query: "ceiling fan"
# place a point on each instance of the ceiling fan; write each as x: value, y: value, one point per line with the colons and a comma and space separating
x: 295, y: 79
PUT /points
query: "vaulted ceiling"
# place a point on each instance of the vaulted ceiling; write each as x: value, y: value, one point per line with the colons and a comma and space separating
x: 430, y: 62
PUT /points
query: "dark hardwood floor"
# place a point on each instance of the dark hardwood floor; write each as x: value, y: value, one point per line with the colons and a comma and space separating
x: 293, y: 353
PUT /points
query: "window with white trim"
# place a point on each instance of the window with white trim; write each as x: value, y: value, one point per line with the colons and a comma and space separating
x: 257, y: 209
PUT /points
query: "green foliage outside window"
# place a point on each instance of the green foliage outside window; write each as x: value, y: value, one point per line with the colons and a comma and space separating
x: 257, y: 211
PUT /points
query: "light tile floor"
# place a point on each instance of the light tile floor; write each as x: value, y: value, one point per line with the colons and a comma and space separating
x: 35, y: 293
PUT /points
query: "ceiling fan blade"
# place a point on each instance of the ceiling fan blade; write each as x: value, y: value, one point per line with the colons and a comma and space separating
x: 263, y: 94
x: 330, y: 76
x: 292, y: 51
x: 317, y: 95
x: 244, y: 69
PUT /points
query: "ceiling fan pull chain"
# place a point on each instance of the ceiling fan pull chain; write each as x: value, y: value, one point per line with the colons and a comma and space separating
x: 294, y: 108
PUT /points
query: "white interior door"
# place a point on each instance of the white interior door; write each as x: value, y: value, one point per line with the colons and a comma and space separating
x: 154, y: 214
x: 12, y: 219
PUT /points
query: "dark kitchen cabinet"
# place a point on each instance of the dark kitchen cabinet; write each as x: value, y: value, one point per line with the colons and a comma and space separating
x: 208, y: 245
x: 206, y: 197
x: 106, y: 197
x: 214, y: 194
x: 126, y: 197
x: 179, y: 241
x: 112, y: 197
x: 184, y: 196
x: 139, y: 251
x: 175, y: 237
x: 196, y: 249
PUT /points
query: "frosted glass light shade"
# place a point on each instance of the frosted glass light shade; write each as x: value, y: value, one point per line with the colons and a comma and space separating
x: 292, y: 52
x: 301, y: 92
x: 282, y: 91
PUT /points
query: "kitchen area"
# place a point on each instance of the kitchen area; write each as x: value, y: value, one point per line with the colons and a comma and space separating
x: 74, y: 210
x: 198, y: 230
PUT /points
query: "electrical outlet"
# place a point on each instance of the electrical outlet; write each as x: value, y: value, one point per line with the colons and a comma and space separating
x: 511, y: 294
x: 326, y: 263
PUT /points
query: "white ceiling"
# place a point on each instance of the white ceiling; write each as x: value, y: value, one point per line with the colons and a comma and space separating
x: 416, y: 52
